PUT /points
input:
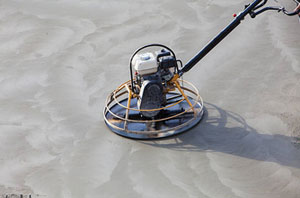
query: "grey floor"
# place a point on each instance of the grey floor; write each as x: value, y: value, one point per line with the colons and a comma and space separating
x: 60, y: 59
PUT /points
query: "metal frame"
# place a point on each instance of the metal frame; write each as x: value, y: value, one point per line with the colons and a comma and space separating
x: 191, y: 99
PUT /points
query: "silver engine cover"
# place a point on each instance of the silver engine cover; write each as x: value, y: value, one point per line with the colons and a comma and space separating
x: 151, y: 97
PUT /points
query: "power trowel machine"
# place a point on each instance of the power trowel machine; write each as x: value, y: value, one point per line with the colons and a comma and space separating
x: 156, y: 102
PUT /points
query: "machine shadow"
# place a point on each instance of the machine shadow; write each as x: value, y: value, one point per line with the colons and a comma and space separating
x: 227, y: 132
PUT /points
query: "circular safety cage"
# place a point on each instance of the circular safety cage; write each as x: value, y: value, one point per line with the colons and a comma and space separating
x: 183, y: 110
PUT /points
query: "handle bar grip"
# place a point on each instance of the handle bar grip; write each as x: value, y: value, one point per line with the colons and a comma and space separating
x: 291, y: 13
x: 279, y: 9
x: 296, y: 10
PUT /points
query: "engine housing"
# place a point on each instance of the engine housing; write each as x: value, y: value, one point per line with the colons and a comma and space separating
x: 152, y: 72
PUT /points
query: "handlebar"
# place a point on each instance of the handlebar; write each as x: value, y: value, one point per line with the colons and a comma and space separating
x: 282, y: 9
x: 291, y: 13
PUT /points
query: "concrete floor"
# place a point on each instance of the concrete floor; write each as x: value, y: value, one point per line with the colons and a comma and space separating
x: 59, y: 60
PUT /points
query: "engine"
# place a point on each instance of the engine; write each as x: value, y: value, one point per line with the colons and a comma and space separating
x: 153, y: 71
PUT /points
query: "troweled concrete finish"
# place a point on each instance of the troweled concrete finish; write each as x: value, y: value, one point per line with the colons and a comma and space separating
x: 59, y: 59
